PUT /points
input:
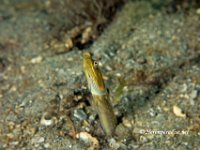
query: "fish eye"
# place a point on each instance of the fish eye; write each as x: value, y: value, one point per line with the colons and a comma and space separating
x: 95, y: 63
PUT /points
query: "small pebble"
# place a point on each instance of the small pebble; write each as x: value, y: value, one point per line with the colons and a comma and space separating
x: 143, y: 139
x: 37, y: 140
x: 178, y: 112
x: 87, y: 138
x: 198, y: 11
x: 15, y: 143
x: 152, y: 112
x: 36, y: 60
x: 23, y: 69
x: 47, y: 145
x: 184, y: 88
x: 113, y: 144
x: 194, y: 94
x: 13, y: 88
x: 122, y: 131
x: 87, y: 33
x: 126, y: 122
x: 80, y: 114
x: 92, y: 118
x: 69, y: 43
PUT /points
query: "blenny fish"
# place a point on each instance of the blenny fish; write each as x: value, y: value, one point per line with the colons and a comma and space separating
x: 100, y: 95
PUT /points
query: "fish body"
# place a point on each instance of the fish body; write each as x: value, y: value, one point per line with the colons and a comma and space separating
x: 100, y: 100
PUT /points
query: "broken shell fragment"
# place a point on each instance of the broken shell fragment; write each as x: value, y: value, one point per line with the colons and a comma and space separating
x: 88, y: 138
x: 178, y: 112
x: 46, y: 120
